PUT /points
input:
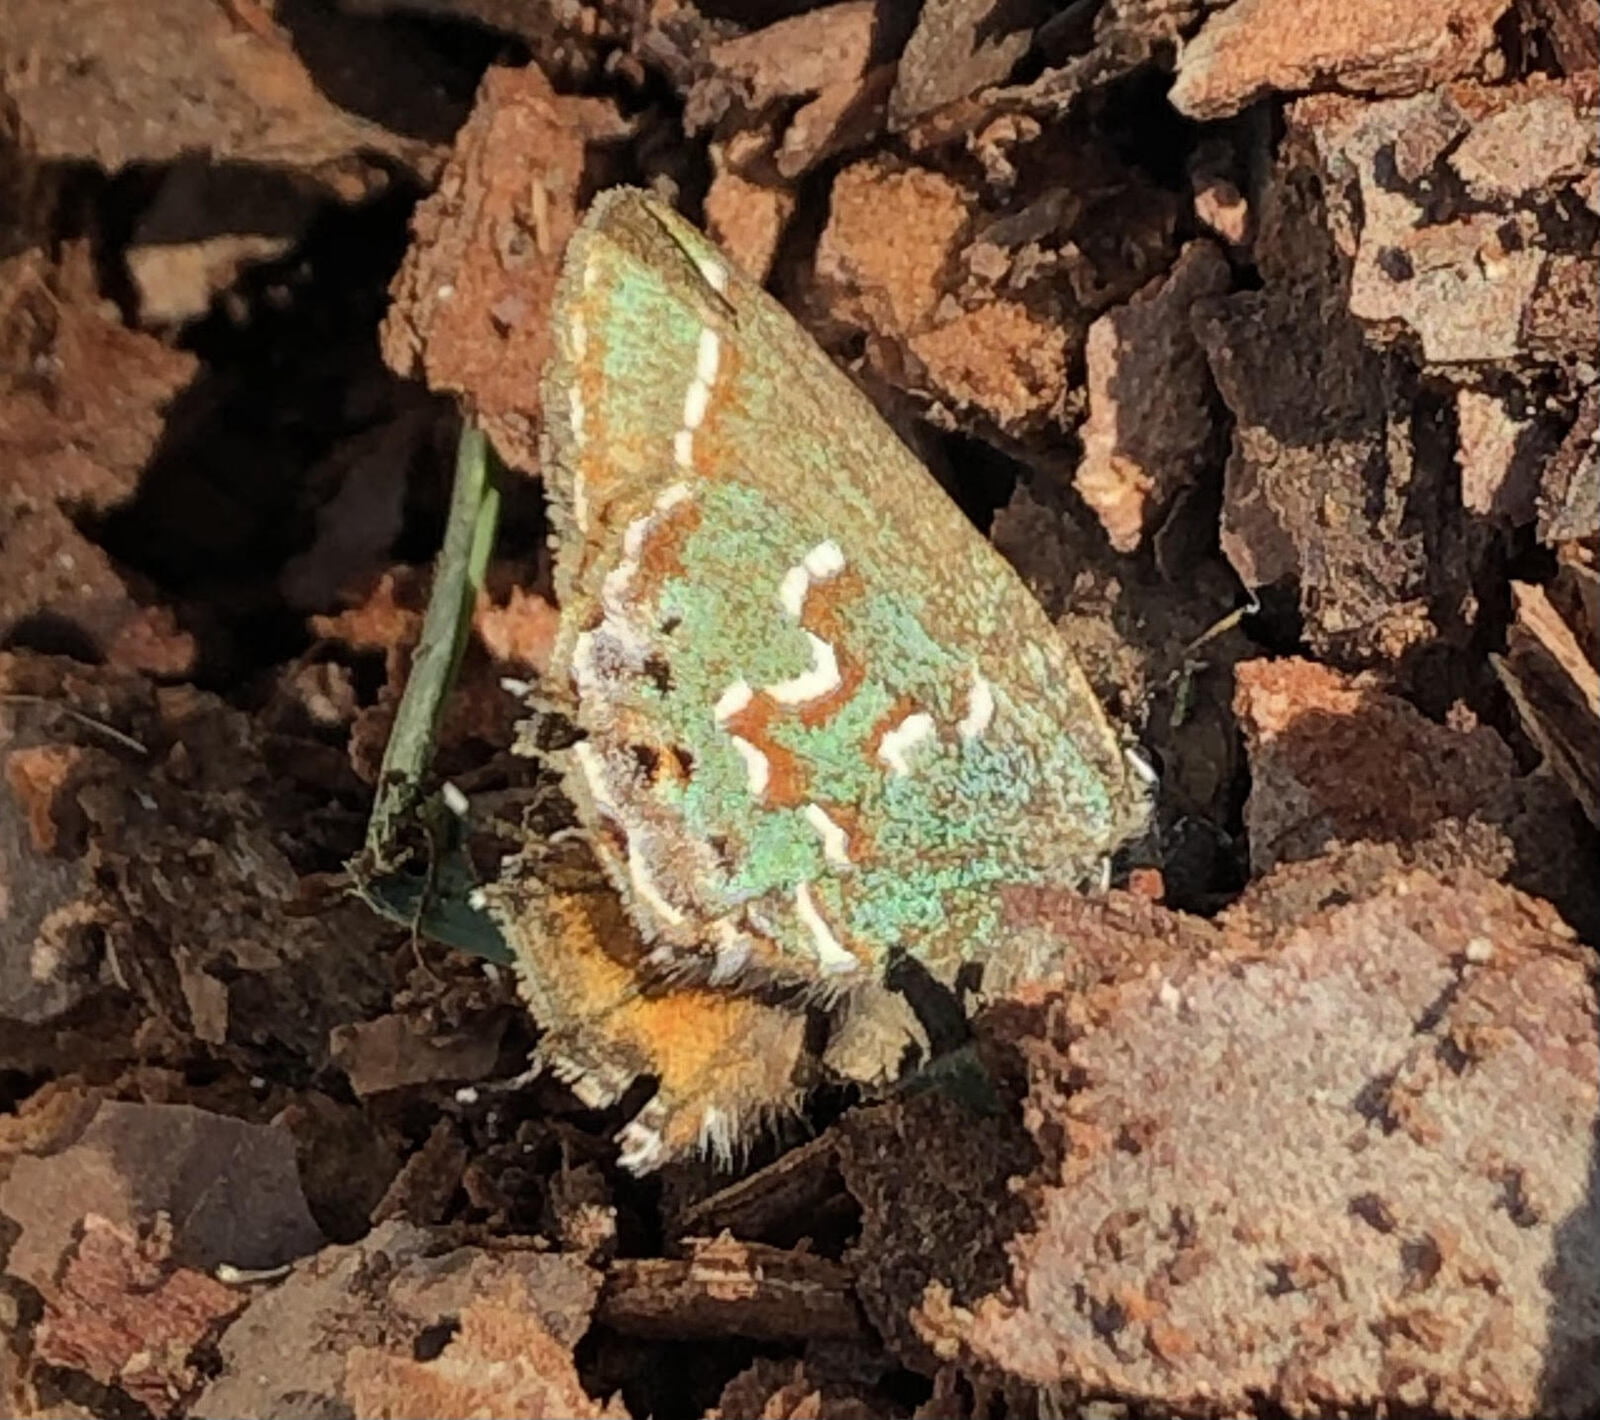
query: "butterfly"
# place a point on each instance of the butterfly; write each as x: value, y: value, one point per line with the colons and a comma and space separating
x: 822, y: 727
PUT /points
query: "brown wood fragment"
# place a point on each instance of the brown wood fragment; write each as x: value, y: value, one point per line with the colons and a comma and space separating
x: 1363, y: 1115
x: 126, y: 1314
x: 471, y: 300
x: 1572, y: 28
x: 731, y: 1288
x: 501, y: 1360
x: 1397, y: 47
x: 797, y: 1186
x: 1556, y: 689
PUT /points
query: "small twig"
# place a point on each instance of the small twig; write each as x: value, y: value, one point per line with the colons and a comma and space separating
x: 1181, y: 678
x: 1224, y: 625
x: 110, y: 731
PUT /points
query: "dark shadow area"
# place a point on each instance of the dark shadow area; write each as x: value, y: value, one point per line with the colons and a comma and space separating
x: 51, y: 635
x: 979, y: 477
x: 291, y: 377
x: 412, y: 73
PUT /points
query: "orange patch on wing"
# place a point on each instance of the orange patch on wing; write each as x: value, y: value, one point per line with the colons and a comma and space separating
x: 723, y: 389
x: 661, y: 556
x: 821, y: 615
x: 590, y: 380
x: 858, y: 842
x: 904, y: 705
x: 786, y: 780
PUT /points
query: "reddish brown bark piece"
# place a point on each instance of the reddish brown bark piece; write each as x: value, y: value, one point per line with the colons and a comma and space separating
x: 982, y: 314
x: 797, y: 1185
x: 940, y: 1223
x: 1573, y: 30
x: 1123, y: 37
x: 519, y: 635
x: 53, y: 577
x: 392, y: 1052
x: 1496, y: 279
x: 1151, y: 429
x: 1335, y: 759
x: 126, y: 1316
x: 1569, y: 495
x: 1327, y: 458
x: 787, y: 1390
x: 836, y: 61
x: 388, y: 620
x: 999, y: 359
x: 421, y: 1192
x: 230, y: 1190
x: 1338, y: 1159
x: 958, y: 48
x: 82, y: 401
x: 730, y: 1288
x: 843, y: 116
x: 795, y: 58
x: 747, y: 219
x: 472, y: 298
x: 50, y: 914
x: 342, y: 1332
x: 888, y: 255
x: 48, y: 911
x: 170, y: 877
x: 1500, y: 452
x: 347, y: 1159
x: 583, y: 1214
x: 110, y: 85
x: 42, y: 778
x: 83, y: 398
x: 891, y: 236
x: 500, y: 1360
x: 1253, y: 47
x: 1555, y: 685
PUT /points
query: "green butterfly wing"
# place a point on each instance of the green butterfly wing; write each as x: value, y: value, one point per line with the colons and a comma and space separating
x: 824, y: 720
